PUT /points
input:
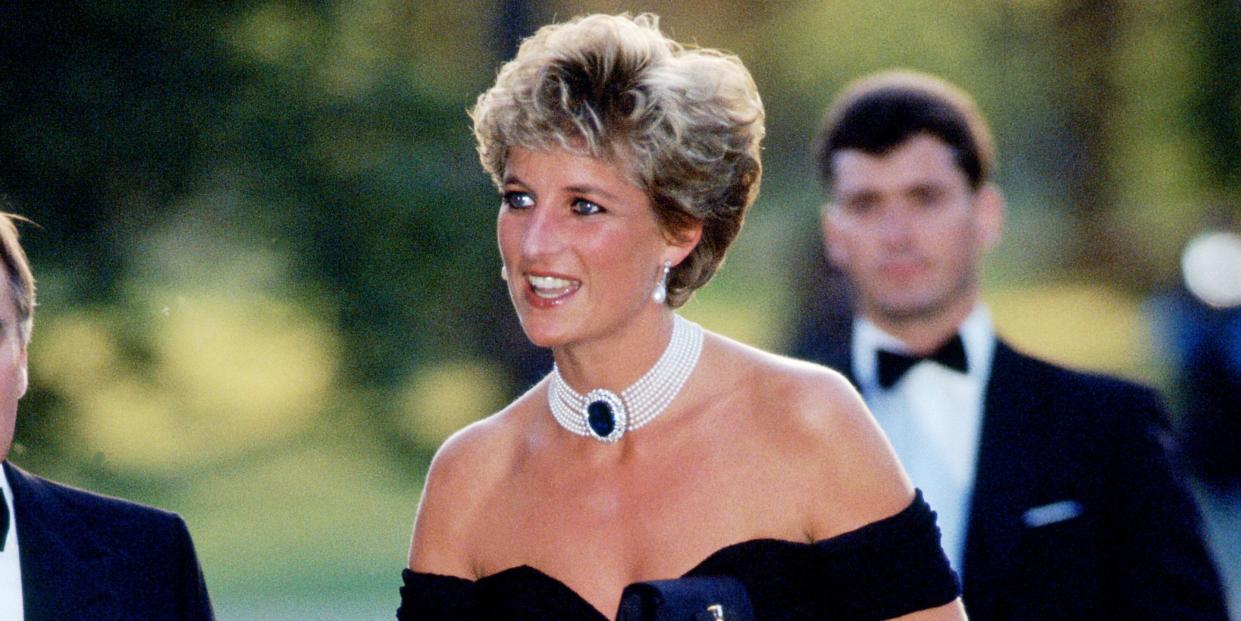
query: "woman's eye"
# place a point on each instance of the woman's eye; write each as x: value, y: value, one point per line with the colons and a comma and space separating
x: 584, y: 207
x: 518, y: 200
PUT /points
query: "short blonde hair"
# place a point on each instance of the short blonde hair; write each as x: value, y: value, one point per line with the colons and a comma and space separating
x: 686, y: 123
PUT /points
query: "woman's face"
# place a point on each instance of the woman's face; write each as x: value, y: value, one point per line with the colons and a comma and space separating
x: 581, y: 246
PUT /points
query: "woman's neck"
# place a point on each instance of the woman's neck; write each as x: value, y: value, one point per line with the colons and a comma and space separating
x: 616, y: 360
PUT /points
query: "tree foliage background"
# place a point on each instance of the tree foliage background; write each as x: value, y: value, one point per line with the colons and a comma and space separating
x: 265, y: 249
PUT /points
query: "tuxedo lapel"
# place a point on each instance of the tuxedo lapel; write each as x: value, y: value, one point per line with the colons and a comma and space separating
x: 1004, y: 475
x: 64, y: 572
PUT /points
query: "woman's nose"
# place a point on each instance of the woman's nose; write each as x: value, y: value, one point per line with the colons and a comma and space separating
x: 543, y: 235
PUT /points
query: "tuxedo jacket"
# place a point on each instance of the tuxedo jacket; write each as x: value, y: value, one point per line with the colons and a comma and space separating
x: 92, y: 557
x: 1076, y: 510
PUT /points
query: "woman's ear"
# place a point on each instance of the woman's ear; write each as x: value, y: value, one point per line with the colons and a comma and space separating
x: 683, y: 242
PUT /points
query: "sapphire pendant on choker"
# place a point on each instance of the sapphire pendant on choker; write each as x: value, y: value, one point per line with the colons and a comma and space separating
x: 605, y: 415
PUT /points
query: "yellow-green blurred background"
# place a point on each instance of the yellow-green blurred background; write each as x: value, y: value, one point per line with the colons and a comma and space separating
x: 268, y: 278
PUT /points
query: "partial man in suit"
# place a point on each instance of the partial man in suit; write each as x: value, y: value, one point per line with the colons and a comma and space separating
x: 69, y: 554
x: 1055, y: 496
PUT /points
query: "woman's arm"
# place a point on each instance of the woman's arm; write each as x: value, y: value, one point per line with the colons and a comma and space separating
x: 864, y: 479
x: 454, y: 489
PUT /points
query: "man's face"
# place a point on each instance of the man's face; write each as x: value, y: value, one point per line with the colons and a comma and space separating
x: 12, y: 365
x: 908, y: 230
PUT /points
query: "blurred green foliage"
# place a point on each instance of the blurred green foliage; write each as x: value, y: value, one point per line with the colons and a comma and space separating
x: 266, y: 254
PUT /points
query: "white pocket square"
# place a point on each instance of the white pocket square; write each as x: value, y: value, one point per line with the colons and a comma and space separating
x: 1043, y: 515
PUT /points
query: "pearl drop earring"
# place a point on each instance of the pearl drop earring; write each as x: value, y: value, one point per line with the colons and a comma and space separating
x: 661, y: 290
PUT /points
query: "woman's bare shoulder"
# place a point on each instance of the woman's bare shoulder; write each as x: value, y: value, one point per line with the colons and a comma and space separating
x: 492, y: 435
x: 464, y: 473
x: 815, y: 397
x: 819, y: 424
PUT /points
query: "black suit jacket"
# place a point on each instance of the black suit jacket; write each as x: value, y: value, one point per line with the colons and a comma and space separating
x: 1129, y: 544
x: 92, y: 557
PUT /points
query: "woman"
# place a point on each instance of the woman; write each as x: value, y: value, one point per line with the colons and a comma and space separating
x: 654, y: 449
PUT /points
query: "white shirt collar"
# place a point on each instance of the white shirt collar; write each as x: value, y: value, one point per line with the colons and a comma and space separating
x: 977, y: 334
x: 11, y: 604
x: 932, y: 418
x: 8, y: 503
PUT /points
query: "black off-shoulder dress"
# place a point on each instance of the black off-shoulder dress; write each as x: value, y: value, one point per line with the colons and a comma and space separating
x: 885, y: 569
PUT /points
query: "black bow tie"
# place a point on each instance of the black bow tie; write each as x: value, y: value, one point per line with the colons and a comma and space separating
x: 4, y: 518
x: 892, y: 366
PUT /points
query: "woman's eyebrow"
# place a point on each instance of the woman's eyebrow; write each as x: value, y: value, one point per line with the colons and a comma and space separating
x: 591, y: 189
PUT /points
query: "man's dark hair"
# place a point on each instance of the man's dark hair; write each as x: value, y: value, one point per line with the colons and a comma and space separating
x: 879, y: 112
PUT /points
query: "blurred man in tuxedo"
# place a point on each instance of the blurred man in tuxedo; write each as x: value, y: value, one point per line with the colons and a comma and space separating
x: 65, y: 553
x: 1055, y: 496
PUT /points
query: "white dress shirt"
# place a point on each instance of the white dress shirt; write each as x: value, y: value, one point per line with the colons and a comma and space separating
x: 932, y: 417
x: 10, y: 562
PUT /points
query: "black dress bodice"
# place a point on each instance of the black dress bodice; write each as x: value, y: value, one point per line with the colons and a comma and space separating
x: 882, y: 570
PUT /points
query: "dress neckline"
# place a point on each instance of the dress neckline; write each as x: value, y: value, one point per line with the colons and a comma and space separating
x: 771, y: 546
x: 522, y: 574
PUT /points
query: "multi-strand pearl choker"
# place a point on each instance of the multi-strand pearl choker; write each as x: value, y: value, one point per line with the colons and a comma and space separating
x: 606, y: 416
